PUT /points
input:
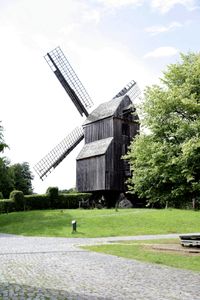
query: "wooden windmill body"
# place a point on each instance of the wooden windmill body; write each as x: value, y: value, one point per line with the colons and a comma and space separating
x: 107, y: 131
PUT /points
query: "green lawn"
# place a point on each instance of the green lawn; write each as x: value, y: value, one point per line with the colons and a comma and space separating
x: 139, y: 251
x: 99, y: 223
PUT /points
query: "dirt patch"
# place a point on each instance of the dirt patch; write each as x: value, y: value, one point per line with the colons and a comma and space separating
x: 174, y: 248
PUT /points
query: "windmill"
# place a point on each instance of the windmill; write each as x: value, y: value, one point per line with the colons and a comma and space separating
x: 107, y: 130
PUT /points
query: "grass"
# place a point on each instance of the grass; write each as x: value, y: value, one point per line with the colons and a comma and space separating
x: 139, y: 251
x: 100, y: 223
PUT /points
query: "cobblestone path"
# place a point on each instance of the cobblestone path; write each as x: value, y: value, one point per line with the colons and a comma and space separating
x: 56, y: 268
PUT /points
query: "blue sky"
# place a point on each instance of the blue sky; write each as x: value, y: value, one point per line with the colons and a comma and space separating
x: 108, y: 43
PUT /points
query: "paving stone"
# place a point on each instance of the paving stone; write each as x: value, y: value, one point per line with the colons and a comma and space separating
x: 56, y: 268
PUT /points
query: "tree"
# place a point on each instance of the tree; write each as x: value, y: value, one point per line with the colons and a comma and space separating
x: 17, y: 176
x: 166, y: 160
x: 6, y: 179
x: 6, y: 182
x: 22, y: 177
x: 2, y: 144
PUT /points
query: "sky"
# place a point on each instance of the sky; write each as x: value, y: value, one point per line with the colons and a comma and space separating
x: 107, y: 42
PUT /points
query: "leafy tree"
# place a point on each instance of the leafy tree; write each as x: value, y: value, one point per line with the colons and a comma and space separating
x: 17, y: 176
x: 71, y: 190
x: 6, y: 179
x: 22, y: 177
x: 2, y: 144
x: 6, y: 182
x: 166, y: 160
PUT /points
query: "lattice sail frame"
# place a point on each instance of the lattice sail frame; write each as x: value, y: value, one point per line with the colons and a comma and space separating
x: 131, y: 89
x: 69, y: 80
x: 58, y: 153
x: 78, y: 94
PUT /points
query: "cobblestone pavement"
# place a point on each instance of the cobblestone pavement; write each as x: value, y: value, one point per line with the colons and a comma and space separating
x: 56, y: 268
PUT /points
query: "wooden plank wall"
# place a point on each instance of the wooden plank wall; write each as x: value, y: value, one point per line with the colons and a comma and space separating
x: 91, y: 174
x: 98, y: 130
x: 108, y: 171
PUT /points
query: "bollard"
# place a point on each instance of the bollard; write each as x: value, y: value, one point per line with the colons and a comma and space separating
x: 73, y: 226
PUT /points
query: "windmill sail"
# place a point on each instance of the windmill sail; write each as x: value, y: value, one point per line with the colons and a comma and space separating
x: 69, y: 80
x: 131, y: 89
x: 57, y: 154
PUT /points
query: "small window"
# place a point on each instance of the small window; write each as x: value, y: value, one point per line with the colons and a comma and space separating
x: 124, y: 149
x: 125, y: 129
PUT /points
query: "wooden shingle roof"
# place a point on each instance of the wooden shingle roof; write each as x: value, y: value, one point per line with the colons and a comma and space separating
x: 104, y: 110
x: 96, y: 148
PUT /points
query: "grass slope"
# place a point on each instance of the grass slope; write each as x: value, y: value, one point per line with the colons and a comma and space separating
x: 100, y: 223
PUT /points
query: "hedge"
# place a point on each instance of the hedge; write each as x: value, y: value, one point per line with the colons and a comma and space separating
x: 19, y: 200
x: 52, y: 192
x: 6, y: 206
x: 45, y: 201
x: 62, y: 201
x: 70, y: 200
x: 37, y: 202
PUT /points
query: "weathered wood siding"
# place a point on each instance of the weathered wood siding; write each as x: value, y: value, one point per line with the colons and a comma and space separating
x: 108, y: 171
x: 91, y: 174
x: 121, y: 143
x: 98, y: 130
x: 96, y: 173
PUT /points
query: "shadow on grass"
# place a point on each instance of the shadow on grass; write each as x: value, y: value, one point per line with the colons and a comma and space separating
x: 77, y: 232
x: 37, y: 223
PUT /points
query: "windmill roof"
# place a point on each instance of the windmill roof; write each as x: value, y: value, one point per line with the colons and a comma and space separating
x: 104, y: 110
x: 95, y: 148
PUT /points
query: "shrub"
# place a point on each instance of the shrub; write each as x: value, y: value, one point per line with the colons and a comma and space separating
x: 37, y: 202
x: 63, y: 201
x: 1, y: 195
x: 71, y: 200
x: 52, y: 192
x: 18, y: 198
x: 6, y: 206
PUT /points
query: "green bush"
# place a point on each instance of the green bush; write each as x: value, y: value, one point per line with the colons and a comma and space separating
x: 18, y: 198
x: 63, y: 201
x: 6, y: 206
x: 52, y: 193
x: 1, y: 195
x: 71, y: 200
x: 37, y: 202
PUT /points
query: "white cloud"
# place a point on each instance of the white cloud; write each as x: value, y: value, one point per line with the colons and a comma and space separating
x: 154, y: 30
x: 119, y: 3
x: 92, y: 15
x: 68, y: 30
x: 161, y: 5
x: 42, y: 114
x: 162, y: 52
x: 165, y: 6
